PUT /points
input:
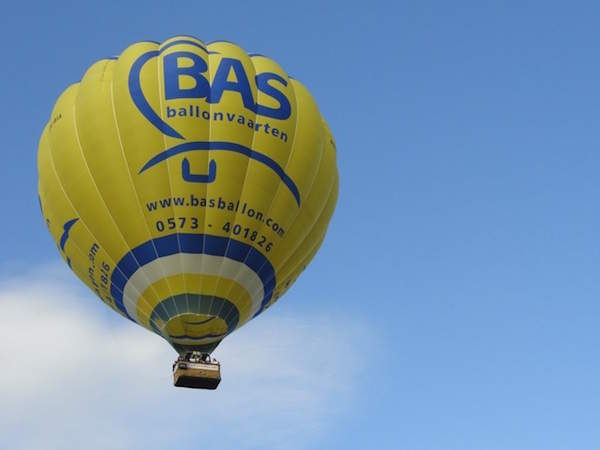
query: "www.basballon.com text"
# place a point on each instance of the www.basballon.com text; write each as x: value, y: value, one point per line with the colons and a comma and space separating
x: 218, y: 203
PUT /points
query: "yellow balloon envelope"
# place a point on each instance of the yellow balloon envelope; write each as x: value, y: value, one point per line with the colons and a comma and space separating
x: 187, y: 185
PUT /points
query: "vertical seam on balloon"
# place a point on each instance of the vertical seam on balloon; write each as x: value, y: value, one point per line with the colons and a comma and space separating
x: 308, y: 190
x: 307, y: 257
x: 244, y: 184
x: 164, y: 139
x: 281, y: 264
x: 229, y: 234
x: 91, y: 177
x: 183, y: 274
x: 203, y: 229
x: 318, y: 216
x: 235, y: 217
x: 198, y: 187
x: 291, y: 152
x: 301, y: 243
x: 210, y: 108
x: 323, y: 214
x: 132, y: 185
x: 73, y: 241
x: 52, y: 164
x: 318, y: 241
x: 130, y: 178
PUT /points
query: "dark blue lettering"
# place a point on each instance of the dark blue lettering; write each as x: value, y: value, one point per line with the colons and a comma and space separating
x: 241, y: 85
x: 262, y: 83
x: 173, y: 71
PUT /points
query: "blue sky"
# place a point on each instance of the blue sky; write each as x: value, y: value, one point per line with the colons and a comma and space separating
x: 454, y: 303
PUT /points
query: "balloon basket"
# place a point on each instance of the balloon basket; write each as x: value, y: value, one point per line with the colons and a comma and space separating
x: 196, y: 370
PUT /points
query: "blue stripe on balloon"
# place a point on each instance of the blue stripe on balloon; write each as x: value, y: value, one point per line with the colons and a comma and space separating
x: 230, y: 147
x: 195, y: 244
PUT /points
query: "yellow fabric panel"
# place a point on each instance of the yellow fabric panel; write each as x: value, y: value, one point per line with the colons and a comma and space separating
x: 260, y: 183
x: 294, y: 265
x: 231, y: 167
x: 74, y: 176
x: 140, y: 140
x: 88, y: 259
x: 104, y: 153
x: 302, y: 166
x: 287, y: 282
x: 313, y: 205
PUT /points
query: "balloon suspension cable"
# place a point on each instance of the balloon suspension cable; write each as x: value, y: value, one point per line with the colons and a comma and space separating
x: 196, y: 357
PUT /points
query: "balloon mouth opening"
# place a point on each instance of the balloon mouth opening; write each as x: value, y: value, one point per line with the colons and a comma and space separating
x: 194, y: 322
x: 193, y: 331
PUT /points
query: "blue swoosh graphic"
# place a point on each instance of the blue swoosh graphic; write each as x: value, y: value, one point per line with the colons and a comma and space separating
x: 230, y: 147
x: 183, y: 41
x: 135, y: 90
x: 135, y: 87
x: 66, y: 227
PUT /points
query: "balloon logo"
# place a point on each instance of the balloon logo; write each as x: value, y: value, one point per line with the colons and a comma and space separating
x: 187, y: 185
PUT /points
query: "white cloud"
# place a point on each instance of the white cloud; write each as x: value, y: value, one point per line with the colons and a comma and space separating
x: 74, y: 377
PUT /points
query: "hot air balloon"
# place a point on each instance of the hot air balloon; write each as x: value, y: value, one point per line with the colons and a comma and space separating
x: 188, y: 185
